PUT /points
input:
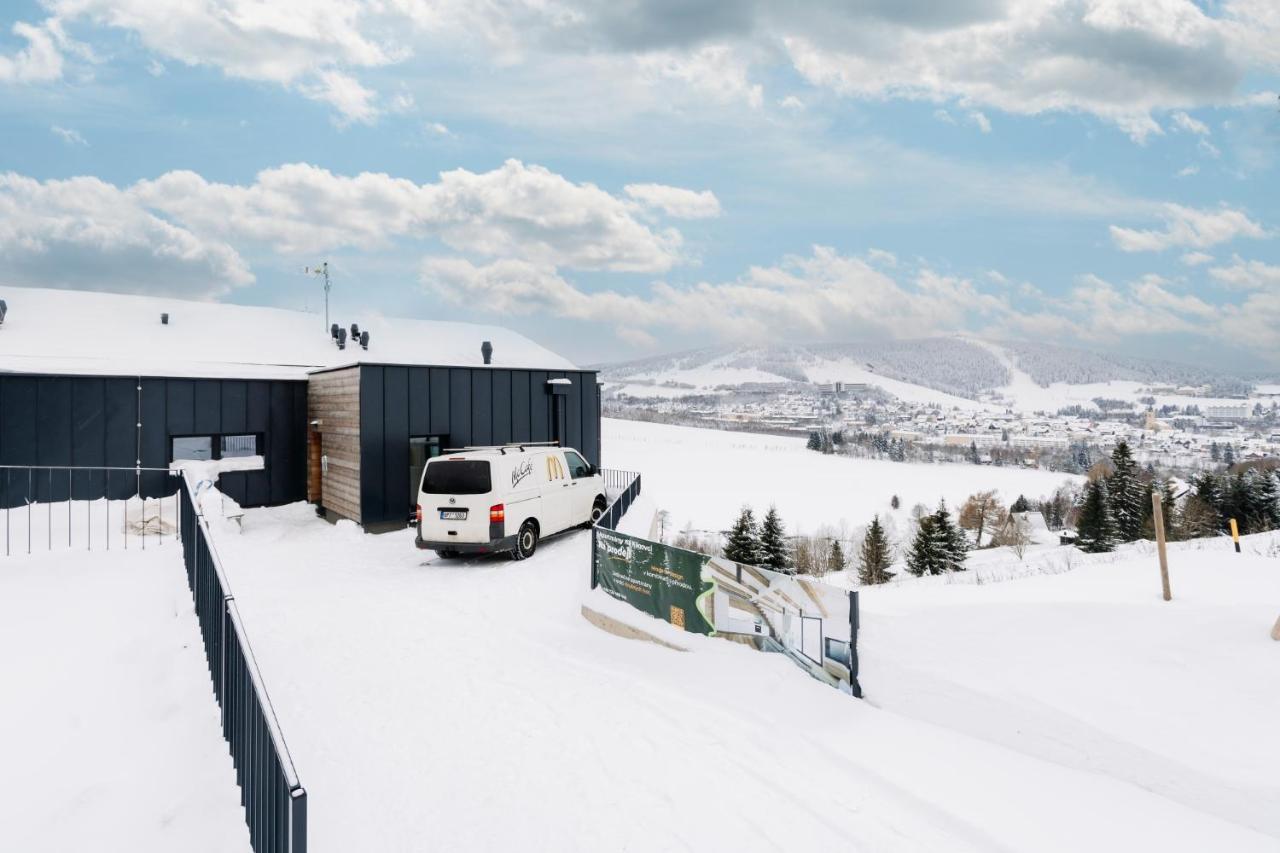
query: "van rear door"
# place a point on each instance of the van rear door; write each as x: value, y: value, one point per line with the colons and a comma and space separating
x: 455, y: 499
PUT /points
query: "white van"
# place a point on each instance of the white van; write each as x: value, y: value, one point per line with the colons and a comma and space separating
x: 484, y: 500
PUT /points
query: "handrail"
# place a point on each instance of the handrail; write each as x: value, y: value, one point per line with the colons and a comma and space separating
x: 274, y: 800
x: 255, y: 673
x: 170, y: 471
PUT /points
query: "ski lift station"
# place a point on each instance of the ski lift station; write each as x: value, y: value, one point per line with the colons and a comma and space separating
x: 345, y: 417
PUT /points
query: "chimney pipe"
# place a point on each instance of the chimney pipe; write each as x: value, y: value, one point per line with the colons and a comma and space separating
x: 486, y: 350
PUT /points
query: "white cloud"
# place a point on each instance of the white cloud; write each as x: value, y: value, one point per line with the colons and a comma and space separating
x: 676, y: 202
x: 1249, y: 275
x: 716, y: 71
x: 1118, y: 60
x: 69, y: 136
x: 1188, y: 171
x: 40, y: 60
x: 84, y: 233
x: 514, y: 211
x: 1185, y: 122
x: 308, y: 47
x: 983, y: 124
x: 822, y: 295
x: 1144, y: 307
x: 1190, y: 228
x: 829, y: 296
x: 1195, y: 259
x: 344, y: 93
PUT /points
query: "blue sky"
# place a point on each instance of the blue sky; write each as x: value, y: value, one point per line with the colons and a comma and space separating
x: 678, y: 174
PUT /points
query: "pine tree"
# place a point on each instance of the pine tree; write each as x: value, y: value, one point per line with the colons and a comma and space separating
x: 953, y: 547
x: 1228, y: 456
x: 1096, y: 527
x: 874, y: 559
x: 1021, y: 505
x: 894, y: 502
x: 775, y: 553
x: 742, y: 545
x: 973, y: 453
x: 836, y: 560
x: 815, y: 441
x: 1125, y: 494
x: 924, y: 557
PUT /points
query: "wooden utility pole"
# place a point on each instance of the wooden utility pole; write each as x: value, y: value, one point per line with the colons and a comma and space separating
x: 1158, y: 518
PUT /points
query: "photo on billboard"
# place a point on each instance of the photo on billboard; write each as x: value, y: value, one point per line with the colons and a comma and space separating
x: 811, y: 622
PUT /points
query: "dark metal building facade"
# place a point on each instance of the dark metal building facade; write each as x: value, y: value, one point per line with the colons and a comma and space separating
x: 459, y: 407
x: 123, y: 422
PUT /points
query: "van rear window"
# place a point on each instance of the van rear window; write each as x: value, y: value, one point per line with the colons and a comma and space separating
x: 457, y: 477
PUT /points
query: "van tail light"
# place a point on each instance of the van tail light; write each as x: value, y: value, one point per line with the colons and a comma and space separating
x: 498, y: 512
x: 419, y: 513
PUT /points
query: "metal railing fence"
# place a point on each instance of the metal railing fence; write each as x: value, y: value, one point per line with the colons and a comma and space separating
x: 47, y: 505
x: 275, y: 803
x: 622, y: 487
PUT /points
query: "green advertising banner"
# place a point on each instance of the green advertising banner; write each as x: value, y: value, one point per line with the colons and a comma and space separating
x: 660, y: 580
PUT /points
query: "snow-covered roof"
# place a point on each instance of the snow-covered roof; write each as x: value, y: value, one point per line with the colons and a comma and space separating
x: 86, y: 332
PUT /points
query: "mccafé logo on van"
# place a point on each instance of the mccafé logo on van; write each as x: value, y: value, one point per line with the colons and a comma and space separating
x: 521, y: 471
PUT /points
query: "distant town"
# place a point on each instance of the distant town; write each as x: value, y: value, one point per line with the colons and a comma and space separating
x: 862, y: 419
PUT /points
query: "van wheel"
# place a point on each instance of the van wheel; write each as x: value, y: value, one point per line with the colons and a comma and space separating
x: 526, y: 541
x: 597, y: 510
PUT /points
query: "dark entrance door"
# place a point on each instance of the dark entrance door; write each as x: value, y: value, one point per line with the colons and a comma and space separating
x: 421, y: 448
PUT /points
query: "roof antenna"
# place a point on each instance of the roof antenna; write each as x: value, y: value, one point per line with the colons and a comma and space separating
x: 322, y: 270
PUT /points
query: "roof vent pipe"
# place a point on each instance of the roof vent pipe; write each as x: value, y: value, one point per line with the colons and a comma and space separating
x: 4, y: 309
x: 355, y: 332
x: 364, y: 340
x: 164, y: 319
x: 486, y: 350
x: 342, y: 338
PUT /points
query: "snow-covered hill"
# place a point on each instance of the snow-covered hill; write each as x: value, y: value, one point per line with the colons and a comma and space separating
x: 963, y: 372
x: 705, y: 476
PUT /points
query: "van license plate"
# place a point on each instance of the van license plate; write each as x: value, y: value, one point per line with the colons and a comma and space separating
x: 453, y: 515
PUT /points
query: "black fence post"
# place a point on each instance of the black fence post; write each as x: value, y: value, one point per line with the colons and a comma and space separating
x: 854, y: 686
x: 595, y: 568
x: 298, y: 821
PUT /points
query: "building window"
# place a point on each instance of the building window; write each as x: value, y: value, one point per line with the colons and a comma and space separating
x: 193, y: 447
x: 239, y: 445
x: 203, y: 447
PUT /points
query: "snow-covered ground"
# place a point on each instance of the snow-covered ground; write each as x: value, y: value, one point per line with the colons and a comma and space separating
x: 704, y: 477
x: 1090, y: 669
x: 470, y: 703
x: 109, y: 731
